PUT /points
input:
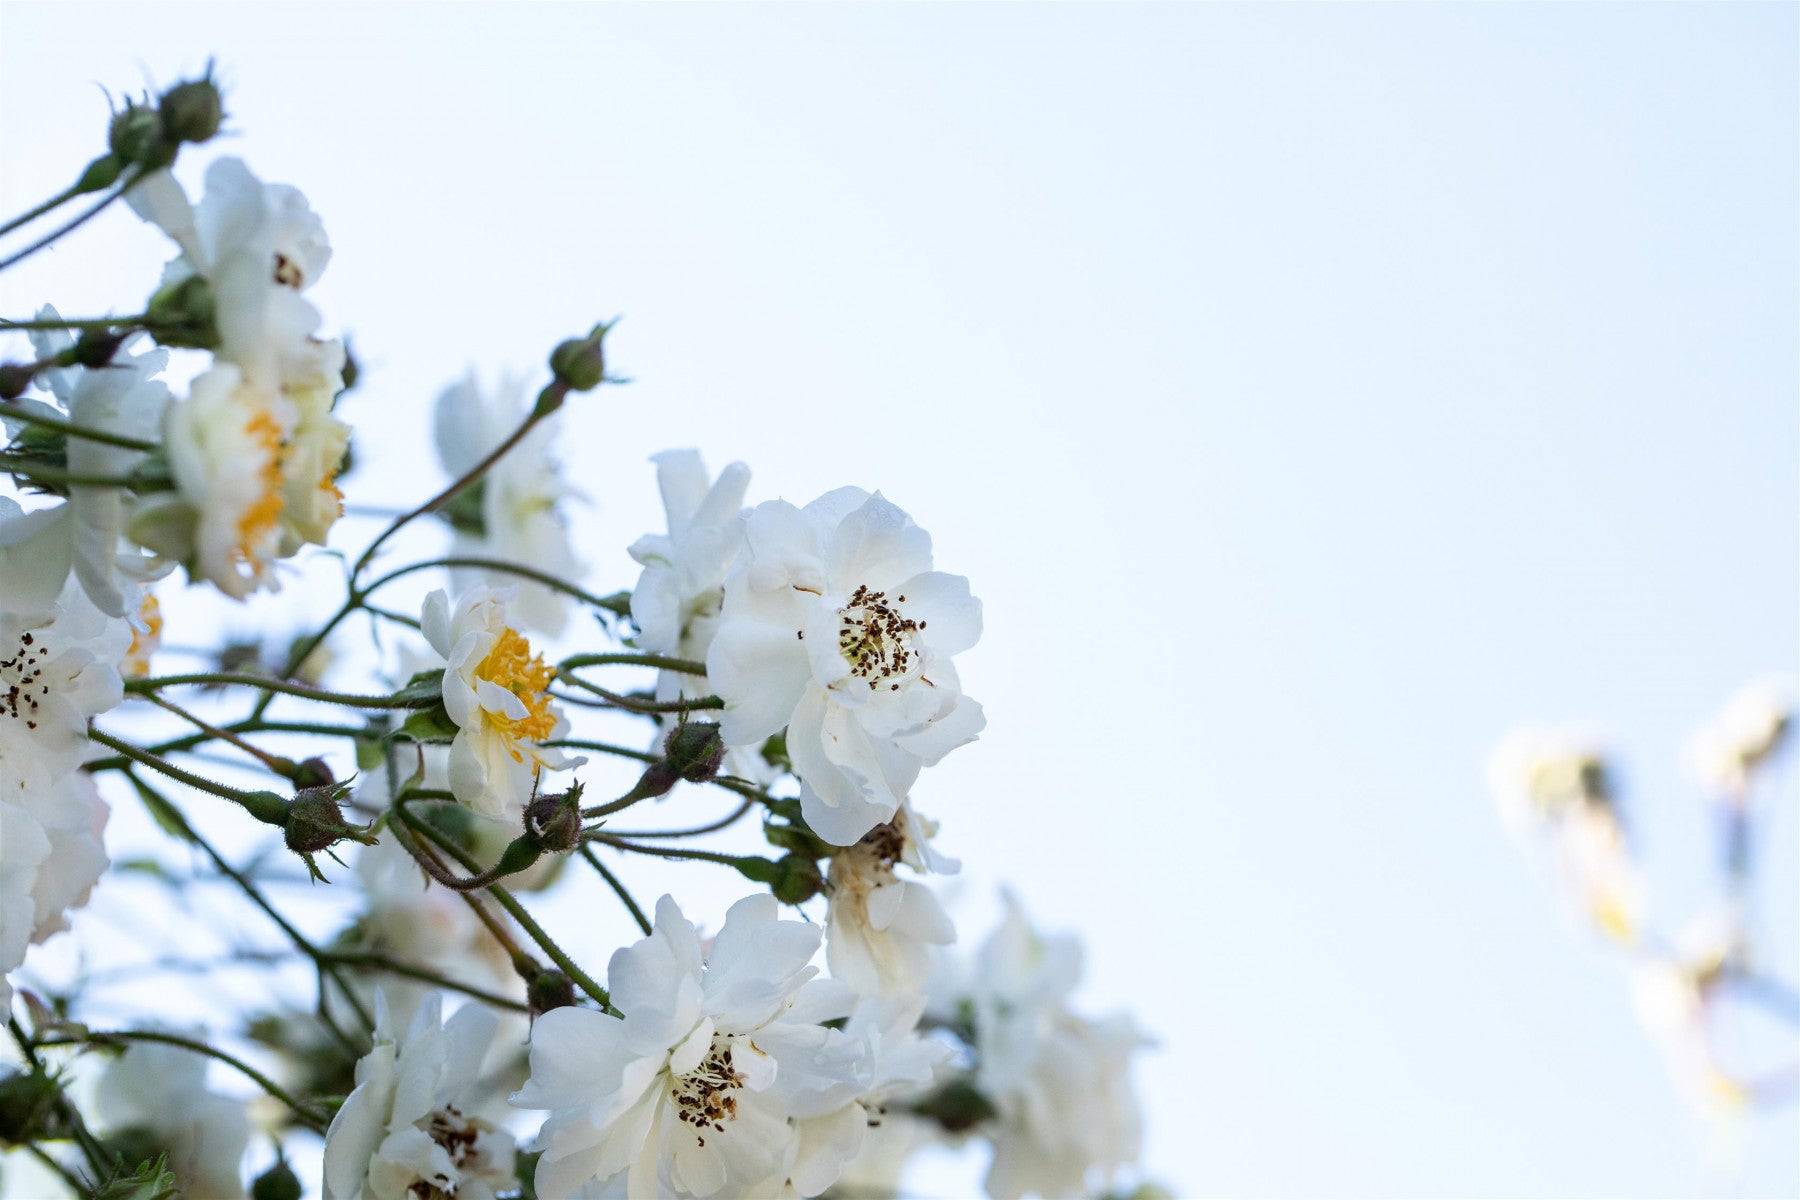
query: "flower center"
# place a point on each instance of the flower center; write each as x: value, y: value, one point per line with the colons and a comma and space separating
x: 706, y: 1097
x: 22, y: 677
x: 258, y: 518
x: 513, y: 666
x: 875, y: 639
x: 145, y: 641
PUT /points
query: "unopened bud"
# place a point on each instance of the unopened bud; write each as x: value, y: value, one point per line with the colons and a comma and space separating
x: 14, y: 379
x: 95, y: 348
x: 136, y: 137
x: 581, y: 362
x: 797, y: 879
x: 181, y: 314
x: 315, y: 822
x: 549, y: 989
x: 31, y: 1109
x: 313, y: 772
x: 277, y: 1183
x: 694, y: 750
x: 553, y: 823
x: 192, y: 111
x: 957, y: 1106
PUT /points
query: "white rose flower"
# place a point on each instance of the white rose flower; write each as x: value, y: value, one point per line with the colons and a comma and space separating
x: 521, y: 495
x: 676, y: 602
x: 1755, y: 723
x: 894, y: 1063
x: 880, y: 928
x: 57, y: 669
x: 690, y: 1092
x: 161, y: 1089
x: 1067, y: 1116
x: 256, y: 459
x: 405, y: 1131
x: 496, y: 691
x: 835, y: 626
x: 86, y: 532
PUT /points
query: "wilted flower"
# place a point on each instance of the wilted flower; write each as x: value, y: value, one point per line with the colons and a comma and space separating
x: 880, y: 928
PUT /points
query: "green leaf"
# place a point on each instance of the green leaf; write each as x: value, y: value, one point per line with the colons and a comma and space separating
x: 166, y: 815
x: 422, y: 690
x: 426, y: 725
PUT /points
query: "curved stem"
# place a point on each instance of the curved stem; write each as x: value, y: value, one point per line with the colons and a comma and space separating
x: 284, y: 767
x: 736, y: 814
x: 494, y: 564
x: 730, y: 860
x: 267, y: 683
x: 637, y: 914
x: 71, y: 226
x: 685, y: 666
x: 505, y: 900
x: 249, y: 1072
x: 161, y: 767
x: 72, y: 429
x: 632, y: 704
x: 538, y: 412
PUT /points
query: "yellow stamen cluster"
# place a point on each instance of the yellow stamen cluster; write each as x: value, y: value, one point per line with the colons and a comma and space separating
x: 513, y: 666
x: 144, y: 642
x: 259, y: 518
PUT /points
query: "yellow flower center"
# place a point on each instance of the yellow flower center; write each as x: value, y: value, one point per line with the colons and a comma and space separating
x: 145, y: 641
x: 258, y: 519
x: 513, y: 666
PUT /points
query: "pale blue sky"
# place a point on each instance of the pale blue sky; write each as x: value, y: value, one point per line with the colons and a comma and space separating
x: 1311, y: 393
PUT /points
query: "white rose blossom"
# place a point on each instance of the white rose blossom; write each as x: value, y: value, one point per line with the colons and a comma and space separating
x: 496, y: 691
x: 835, y: 626
x: 689, y: 1093
x: 86, y: 531
x: 1068, y: 1119
x: 406, y: 1130
x: 1728, y: 750
x: 254, y: 447
x: 161, y: 1090
x: 521, y: 495
x: 676, y: 602
x: 880, y: 928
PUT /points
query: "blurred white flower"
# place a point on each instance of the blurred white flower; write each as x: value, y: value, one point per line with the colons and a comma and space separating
x: 689, y: 1093
x: 893, y: 1063
x: 121, y: 398
x: 880, y: 928
x: 1555, y: 784
x: 495, y: 690
x: 835, y: 626
x: 1067, y: 1116
x: 405, y: 1131
x: 58, y: 668
x: 160, y: 1090
x: 521, y: 496
x: 1673, y: 992
x: 1755, y: 723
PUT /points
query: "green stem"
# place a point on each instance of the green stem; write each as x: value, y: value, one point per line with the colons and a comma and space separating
x: 61, y: 198
x: 72, y: 429
x: 538, y: 412
x: 631, y: 704
x: 38, y: 472
x: 249, y: 1072
x: 267, y: 683
x: 730, y: 819
x: 730, y: 860
x: 685, y: 666
x: 637, y: 914
x: 496, y: 564
x: 69, y: 1177
x: 379, y: 962
x: 505, y: 900
x: 191, y: 740
x: 603, y: 748
x: 71, y: 226
x: 174, y: 772
x: 75, y: 323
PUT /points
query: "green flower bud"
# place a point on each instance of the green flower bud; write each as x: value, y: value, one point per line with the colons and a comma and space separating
x: 136, y: 137
x: 693, y: 751
x: 581, y: 362
x: 316, y: 823
x: 95, y: 348
x: 31, y: 1109
x: 151, y: 1181
x: 14, y: 379
x: 957, y: 1106
x: 797, y: 879
x: 192, y: 111
x: 181, y: 314
x: 312, y: 773
x: 549, y: 989
x: 277, y: 1183
x: 553, y: 823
